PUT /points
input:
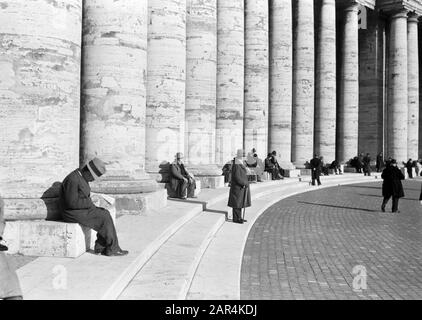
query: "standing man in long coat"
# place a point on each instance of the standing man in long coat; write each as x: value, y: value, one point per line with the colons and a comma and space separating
x: 79, y: 208
x: 392, y: 186
x: 182, y: 183
x: 316, y: 169
x: 9, y: 283
x: 367, y: 165
x: 380, y: 161
x: 240, y: 194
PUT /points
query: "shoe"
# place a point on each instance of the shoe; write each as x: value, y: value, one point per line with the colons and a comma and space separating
x: 118, y: 253
x: 244, y: 220
x: 3, y: 248
x: 194, y: 197
x: 98, y: 252
x: 383, y: 209
x: 238, y: 221
x: 397, y: 211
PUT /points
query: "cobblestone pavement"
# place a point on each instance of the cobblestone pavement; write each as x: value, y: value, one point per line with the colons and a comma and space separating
x: 306, y: 247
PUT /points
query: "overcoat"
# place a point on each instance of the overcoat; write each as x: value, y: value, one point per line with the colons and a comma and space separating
x: 392, y: 186
x: 177, y: 173
x: 76, y: 203
x: 317, y: 165
x: 239, y: 180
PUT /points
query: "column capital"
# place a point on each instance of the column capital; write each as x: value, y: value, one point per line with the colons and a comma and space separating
x: 348, y: 6
x: 413, y: 17
x: 403, y: 13
x: 392, y: 6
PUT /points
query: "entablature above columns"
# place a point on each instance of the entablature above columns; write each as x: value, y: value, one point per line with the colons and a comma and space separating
x: 347, y: 3
x: 390, y: 6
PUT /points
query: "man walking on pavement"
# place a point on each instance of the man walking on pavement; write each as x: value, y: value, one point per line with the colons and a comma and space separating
x: 240, y: 195
x: 392, y: 186
x: 79, y: 208
x: 316, y: 169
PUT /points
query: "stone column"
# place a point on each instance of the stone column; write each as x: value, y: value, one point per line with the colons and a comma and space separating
x: 165, y: 120
x: 281, y: 73
x: 325, y: 82
x: 40, y: 56
x: 348, y: 107
x: 201, y: 81
x: 397, y: 102
x: 303, y: 82
x: 230, y: 78
x: 114, y: 90
x: 371, y: 85
x: 256, y: 76
x: 413, y: 87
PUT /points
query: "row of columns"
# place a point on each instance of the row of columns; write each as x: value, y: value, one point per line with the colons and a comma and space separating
x: 163, y: 76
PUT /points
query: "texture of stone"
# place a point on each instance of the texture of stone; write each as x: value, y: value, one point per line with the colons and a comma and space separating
x: 371, y: 85
x: 201, y: 81
x: 114, y: 85
x: 256, y: 76
x: 40, y: 56
x: 348, y: 104
x: 281, y: 72
x: 303, y: 82
x: 325, y: 81
x: 230, y: 79
x: 397, y: 108
x: 166, y: 80
x: 413, y: 88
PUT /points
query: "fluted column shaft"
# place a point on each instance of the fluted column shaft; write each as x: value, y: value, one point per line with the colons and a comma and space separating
x: 281, y: 72
x: 325, y: 82
x: 230, y: 78
x: 40, y: 58
x: 348, y: 108
x: 303, y: 82
x: 256, y: 76
x: 166, y: 78
x: 114, y: 85
x: 397, y: 110
x: 201, y: 81
x: 413, y: 88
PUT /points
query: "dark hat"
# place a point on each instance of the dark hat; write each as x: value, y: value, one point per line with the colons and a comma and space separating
x: 96, y: 167
x: 393, y: 161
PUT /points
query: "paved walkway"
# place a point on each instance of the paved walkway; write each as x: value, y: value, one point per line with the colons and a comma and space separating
x: 306, y: 247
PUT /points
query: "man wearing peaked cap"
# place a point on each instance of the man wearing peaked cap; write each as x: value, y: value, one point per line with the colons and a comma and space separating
x: 79, y: 208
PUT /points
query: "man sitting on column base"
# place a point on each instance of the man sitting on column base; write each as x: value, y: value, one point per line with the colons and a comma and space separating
x: 79, y: 208
x: 182, y: 183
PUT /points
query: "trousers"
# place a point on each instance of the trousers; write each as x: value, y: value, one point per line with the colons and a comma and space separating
x: 395, y: 206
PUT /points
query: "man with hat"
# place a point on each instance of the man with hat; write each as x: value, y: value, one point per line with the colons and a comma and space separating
x: 79, y: 208
x: 182, y: 183
x: 9, y: 283
x: 240, y: 194
x: 392, y: 186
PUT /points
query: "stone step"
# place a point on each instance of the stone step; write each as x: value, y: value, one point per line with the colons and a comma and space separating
x: 99, y: 277
x: 218, y: 274
x: 167, y: 276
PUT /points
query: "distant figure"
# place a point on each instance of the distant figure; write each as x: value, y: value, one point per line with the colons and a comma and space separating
x: 409, y: 166
x: 240, y: 194
x: 324, y: 168
x: 380, y: 162
x: 278, y: 171
x: 9, y: 284
x: 392, y: 186
x: 251, y: 160
x: 182, y: 183
x: 367, y: 165
x: 260, y: 167
x: 316, y: 169
x: 78, y: 208
x: 336, y: 167
x: 269, y: 166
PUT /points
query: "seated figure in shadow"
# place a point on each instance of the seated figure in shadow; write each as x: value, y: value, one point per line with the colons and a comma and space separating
x: 78, y: 208
x: 182, y: 184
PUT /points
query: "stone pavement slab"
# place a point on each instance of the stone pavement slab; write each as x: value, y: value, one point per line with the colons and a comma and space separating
x: 326, y: 244
x: 168, y: 274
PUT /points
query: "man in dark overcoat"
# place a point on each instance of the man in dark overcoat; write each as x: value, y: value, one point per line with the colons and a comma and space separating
x: 316, y: 167
x: 380, y: 161
x: 182, y: 183
x: 240, y: 194
x: 392, y: 186
x: 78, y: 208
x: 367, y: 165
x: 9, y: 283
x: 409, y: 167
